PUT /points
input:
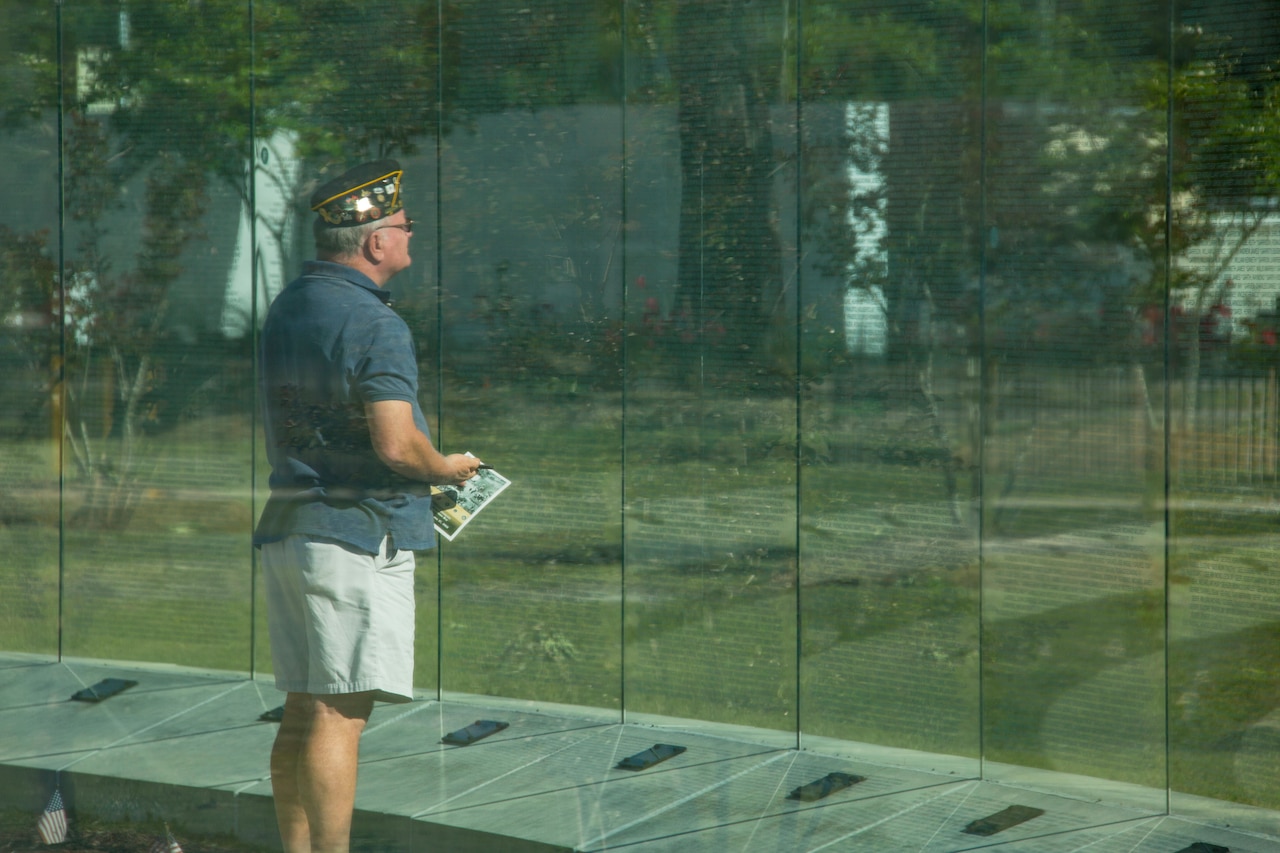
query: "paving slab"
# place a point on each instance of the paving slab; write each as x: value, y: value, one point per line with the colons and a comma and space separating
x: 190, y: 747
x: 770, y: 795
x: 574, y: 813
x: 589, y: 759
x: 42, y: 726
x: 927, y: 820
x: 1151, y: 835
x: 400, y: 731
x: 833, y: 826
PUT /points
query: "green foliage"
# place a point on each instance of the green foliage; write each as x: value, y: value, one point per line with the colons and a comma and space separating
x: 173, y: 96
x: 347, y: 78
x: 509, y: 54
x: 28, y: 272
x: 28, y: 62
x: 876, y: 55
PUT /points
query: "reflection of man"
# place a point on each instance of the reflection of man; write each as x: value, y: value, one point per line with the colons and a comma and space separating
x: 351, y: 464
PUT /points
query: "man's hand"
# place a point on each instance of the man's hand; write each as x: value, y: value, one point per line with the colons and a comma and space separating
x: 465, y: 467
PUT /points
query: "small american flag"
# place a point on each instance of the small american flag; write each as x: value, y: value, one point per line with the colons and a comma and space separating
x: 52, y: 825
x: 168, y: 844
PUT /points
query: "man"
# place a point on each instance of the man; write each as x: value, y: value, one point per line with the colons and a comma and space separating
x: 351, y: 468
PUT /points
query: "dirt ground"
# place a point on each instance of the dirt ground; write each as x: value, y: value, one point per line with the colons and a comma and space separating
x: 18, y: 835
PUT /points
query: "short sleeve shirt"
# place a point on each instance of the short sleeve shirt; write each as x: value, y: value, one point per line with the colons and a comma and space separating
x: 332, y: 343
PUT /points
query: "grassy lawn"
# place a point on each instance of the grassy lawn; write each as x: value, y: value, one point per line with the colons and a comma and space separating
x: 1044, y: 647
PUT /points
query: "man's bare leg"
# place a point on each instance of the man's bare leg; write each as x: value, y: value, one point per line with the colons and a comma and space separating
x: 313, y: 769
x: 291, y: 817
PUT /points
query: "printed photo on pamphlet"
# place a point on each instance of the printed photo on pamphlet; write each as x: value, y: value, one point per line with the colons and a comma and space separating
x: 454, y: 506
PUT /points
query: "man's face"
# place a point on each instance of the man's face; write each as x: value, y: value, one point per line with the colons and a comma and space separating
x: 395, y: 235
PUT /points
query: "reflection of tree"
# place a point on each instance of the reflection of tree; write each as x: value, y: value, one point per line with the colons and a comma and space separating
x: 1027, y: 176
x: 28, y: 272
x: 28, y: 62
x: 124, y: 321
x: 1225, y: 180
x: 1070, y: 184
x: 1178, y: 171
x: 158, y: 110
x: 729, y: 253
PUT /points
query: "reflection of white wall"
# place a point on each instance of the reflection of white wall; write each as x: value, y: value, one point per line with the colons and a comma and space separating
x: 866, y: 325
x: 1254, y: 270
x: 865, y: 317
x: 867, y: 126
x: 275, y: 186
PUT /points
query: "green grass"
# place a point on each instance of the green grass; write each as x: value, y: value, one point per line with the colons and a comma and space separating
x: 888, y: 641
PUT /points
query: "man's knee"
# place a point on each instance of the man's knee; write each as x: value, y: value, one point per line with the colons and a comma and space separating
x: 305, y: 710
x: 348, y: 706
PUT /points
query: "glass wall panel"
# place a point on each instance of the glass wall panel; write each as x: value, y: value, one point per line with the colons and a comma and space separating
x: 888, y: 533
x: 710, y: 364
x: 157, y: 402
x: 891, y: 371
x: 890, y: 426
x: 1225, y: 295
x: 530, y: 282
x: 1072, y: 236
x: 30, y: 350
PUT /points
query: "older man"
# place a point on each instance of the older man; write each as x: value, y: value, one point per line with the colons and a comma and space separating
x: 351, y: 467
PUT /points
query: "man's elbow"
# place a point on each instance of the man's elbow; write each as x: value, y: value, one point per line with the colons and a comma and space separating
x: 396, y: 455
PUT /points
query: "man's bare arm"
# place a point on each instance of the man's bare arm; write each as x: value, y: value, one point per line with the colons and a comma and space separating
x: 406, y: 450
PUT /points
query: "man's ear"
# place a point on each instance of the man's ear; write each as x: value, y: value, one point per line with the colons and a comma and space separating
x: 373, y: 248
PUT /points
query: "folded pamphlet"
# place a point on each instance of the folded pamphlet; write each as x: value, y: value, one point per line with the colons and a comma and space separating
x: 453, y: 507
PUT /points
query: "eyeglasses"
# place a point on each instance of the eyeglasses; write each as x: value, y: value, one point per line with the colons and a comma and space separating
x: 406, y: 226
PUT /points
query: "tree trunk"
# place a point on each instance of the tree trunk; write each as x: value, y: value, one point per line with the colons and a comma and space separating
x: 729, y: 262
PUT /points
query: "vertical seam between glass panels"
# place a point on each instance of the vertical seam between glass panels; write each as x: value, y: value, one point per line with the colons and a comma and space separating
x: 799, y: 349
x: 254, y: 282
x: 982, y: 389
x: 623, y: 355
x: 439, y: 366
x: 59, y: 459
x: 1170, y: 11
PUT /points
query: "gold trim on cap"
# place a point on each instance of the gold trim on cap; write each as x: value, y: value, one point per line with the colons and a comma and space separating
x: 397, y: 173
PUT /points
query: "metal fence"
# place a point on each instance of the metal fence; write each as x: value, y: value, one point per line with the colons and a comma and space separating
x: 1114, y: 422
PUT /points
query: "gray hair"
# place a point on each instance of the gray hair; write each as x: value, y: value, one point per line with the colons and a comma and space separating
x: 341, y: 242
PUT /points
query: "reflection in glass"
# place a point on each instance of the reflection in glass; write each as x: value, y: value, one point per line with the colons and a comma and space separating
x: 531, y: 245
x: 157, y: 440
x: 1073, y: 606
x: 30, y: 352
x: 1222, y: 407
x: 889, y: 560
x: 896, y: 372
x: 710, y: 418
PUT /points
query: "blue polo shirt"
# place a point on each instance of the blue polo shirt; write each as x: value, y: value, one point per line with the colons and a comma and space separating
x: 330, y: 344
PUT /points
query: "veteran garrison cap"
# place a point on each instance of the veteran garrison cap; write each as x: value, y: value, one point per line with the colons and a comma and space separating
x: 363, y: 194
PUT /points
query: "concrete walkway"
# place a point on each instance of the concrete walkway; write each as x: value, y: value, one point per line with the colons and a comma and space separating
x: 188, y: 747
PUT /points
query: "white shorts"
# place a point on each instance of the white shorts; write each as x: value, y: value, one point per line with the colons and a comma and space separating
x: 341, y: 621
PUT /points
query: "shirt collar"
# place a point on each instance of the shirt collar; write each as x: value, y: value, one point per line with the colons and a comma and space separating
x: 329, y: 269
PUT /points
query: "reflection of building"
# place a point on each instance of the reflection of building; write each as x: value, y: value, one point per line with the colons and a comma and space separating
x: 275, y: 180
x: 866, y: 326
x: 1253, y: 271
x: 866, y: 319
